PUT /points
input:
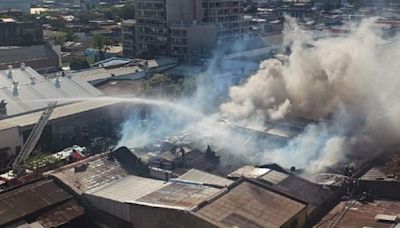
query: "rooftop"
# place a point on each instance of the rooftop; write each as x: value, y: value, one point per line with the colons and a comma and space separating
x: 250, y: 205
x: 26, y: 200
x: 9, y: 55
x: 26, y: 91
x: 357, y: 214
x: 249, y: 172
x: 90, y: 174
x: 180, y: 196
x: 205, y: 178
x: 128, y: 189
x: 378, y: 174
x: 59, y: 112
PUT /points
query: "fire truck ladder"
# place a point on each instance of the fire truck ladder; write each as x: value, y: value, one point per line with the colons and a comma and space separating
x: 33, y: 138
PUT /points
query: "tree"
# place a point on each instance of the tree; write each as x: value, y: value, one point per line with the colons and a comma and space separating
x: 79, y: 63
x: 60, y: 38
x: 71, y: 36
x: 102, y: 44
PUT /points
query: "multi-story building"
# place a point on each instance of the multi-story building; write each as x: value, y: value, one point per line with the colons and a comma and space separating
x: 162, y: 26
x: 228, y: 16
x: 128, y: 37
x: 13, y: 33
x: 151, y: 27
x: 190, y: 39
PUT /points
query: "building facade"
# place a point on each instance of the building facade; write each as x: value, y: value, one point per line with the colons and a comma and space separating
x: 128, y: 37
x: 171, y: 27
x: 13, y: 33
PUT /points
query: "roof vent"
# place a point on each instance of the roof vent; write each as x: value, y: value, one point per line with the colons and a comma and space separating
x: 22, y: 66
x: 10, y: 69
x: 33, y: 78
x: 15, y: 88
x: 58, y: 80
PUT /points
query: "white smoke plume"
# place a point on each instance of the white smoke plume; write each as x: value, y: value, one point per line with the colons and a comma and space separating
x: 346, y: 83
x: 349, y: 85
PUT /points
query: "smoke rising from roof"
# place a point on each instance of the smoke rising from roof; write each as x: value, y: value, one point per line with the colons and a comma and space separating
x: 341, y: 82
x: 348, y: 85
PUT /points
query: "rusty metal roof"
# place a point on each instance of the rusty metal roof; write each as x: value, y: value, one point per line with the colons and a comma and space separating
x: 249, y: 172
x: 362, y: 214
x: 314, y: 194
x: 378, y: 174
x: 274, y: 177
x: 251, y: 205
x: 206, y: 178
x: 96, y: 172
x: 179, y: 195
x: 23, y: 201
x: 61, y: 214
x: 128, y: 189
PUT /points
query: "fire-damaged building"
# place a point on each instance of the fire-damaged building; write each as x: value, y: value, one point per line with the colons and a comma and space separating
x: 122, y: 190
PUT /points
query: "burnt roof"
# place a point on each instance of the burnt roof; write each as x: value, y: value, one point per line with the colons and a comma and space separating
x: 90, y: 173
x: 26, y: 200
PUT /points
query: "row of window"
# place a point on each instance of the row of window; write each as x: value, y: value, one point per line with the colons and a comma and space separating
x: 222, y: 4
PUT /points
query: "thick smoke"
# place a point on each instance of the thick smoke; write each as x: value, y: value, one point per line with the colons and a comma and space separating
x: 347, y: 85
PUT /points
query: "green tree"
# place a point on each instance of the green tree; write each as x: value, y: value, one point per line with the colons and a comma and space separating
x: 102, y: 45
x: 79, y: 63
x: 71, y: 36
x: 60, y: 39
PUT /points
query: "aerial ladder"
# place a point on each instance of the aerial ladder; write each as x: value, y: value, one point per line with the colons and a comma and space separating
x: 32, y: 140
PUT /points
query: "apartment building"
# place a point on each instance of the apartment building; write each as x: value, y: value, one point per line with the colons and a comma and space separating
x: 180, y: 27
x: 15, y: 33
x: 228, y: 16
x: 151, y: 28
x: 128, y: 36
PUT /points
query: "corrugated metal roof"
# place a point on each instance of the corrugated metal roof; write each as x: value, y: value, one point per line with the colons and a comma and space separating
x: 274, y: 177
x: 377, y: 173
x: 61, y: 214
x: 249, y: 172
x: 99, y: 173
x: 203, y: 177
x: 130, y: 188
x: 34, y: 91
x: 29, y: 199
x: 250, y: 205
x: 314, y: 194
x: 179, y: 195
x: 362, y: 214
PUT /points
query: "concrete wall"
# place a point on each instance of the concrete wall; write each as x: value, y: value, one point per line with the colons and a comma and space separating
x: 10, y: 138
x: 187, y: 10
x: 202, y: 36
x: 155, y: 217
